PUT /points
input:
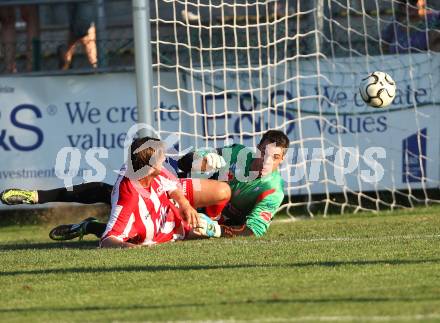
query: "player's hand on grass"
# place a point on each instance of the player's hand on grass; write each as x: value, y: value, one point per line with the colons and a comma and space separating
x: 189, y: 215
x: 207, y: 227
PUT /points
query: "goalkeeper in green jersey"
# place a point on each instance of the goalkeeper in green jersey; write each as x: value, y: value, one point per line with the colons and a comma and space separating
x: 255, y: 182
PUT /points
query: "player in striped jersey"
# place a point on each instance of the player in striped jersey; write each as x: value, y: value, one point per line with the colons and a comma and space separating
x: 142, y: 213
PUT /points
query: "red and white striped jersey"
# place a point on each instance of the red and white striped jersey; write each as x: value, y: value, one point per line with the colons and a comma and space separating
x: 144, y: 216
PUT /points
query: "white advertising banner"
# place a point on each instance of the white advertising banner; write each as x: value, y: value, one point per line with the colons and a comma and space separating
x: 41, y: 115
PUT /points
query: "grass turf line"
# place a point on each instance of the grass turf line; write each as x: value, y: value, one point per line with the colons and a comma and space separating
x: 362, y: 267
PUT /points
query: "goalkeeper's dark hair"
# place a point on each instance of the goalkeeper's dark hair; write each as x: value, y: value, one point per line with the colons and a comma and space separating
x: 148, y: 155
x: 277, y: 137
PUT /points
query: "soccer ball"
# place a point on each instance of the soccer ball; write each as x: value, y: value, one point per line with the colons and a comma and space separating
x: 377, y: 89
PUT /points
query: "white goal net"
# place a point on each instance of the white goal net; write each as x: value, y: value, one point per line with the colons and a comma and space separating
x: 238, y: 68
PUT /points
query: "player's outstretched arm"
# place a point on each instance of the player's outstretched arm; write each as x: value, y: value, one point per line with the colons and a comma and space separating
x: 202, y: 161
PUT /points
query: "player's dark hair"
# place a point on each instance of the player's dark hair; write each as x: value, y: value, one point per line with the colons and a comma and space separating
x: 146, y: 155
x: 277, y: 137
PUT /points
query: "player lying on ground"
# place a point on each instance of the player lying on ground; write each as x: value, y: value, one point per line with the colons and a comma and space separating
x: 249, y: 212
x: 142, y: 212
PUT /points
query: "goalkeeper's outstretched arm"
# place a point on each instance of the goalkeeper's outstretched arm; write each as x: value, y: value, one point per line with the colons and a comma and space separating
x: 202, y: 161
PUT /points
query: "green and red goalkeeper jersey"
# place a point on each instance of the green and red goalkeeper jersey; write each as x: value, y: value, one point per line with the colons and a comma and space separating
x: 253, y: 202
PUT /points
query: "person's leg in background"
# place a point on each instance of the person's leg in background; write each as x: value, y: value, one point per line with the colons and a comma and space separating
x: 89, y: 43
x: 9, y: 37
x: 82, y: 29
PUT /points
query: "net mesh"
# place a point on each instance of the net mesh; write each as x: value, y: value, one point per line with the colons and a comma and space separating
x: 235, y: 69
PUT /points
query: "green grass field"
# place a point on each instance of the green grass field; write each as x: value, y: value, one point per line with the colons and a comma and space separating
x: 361, y: 267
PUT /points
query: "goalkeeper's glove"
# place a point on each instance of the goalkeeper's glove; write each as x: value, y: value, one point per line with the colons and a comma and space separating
x: 208, y: 227
x: 214, y: 161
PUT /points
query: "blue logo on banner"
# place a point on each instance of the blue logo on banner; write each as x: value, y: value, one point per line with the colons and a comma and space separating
x: 414, y: 157
x: 26, y: 124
